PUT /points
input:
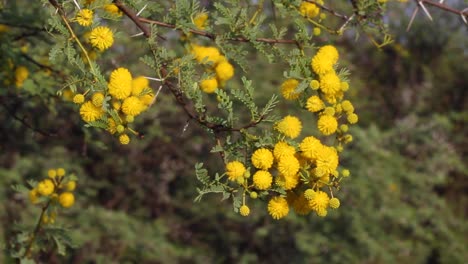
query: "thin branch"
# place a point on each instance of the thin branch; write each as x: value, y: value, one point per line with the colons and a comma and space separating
x: 446, y: 8
x: 43, y: 66
x: 328, y: 9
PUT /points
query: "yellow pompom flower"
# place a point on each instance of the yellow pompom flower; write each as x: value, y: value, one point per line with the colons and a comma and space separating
x: 224, y: 71
x: 89, y: 112
x: 262, y: 180
x: 288, y: 165
x: 111, y: 126
x: 113, y: 9
x: 334, y: 203
x: 278, y: 207
x: 262, y: 159
x: 309, y: 10
x: 101, y: 38
x: 206, y: 54
x: 52, y: 173
x: 45, y: 187
x: 314, y: 104
x: 345, y: 173
x: 33, y: 196
x: 97, y: 99
x: 327, y: 124
x: 320, y: 201
x: 283, y: 149
x: 300, y: 205
x: 21, y: 74
x: 287, y: 182
x: 139, y: 84
x: 352, y: 118
x: 347, y: 106
x: 60, y: 172
x: 71, y: 185
x: 330, y: 52
x: 344, y: 86
x: 209, y: 85
x: 124, y: 139
x: 78, y: 99
x: 235, y: 170
x: 66, y: 199
x: 327, y: 159
x: 84, y: 17
x: 120, y: 83
x: 132, y: 106
x: 288, y: 89
x: 309, y: 194
x: 200, y: 20
x: 244, y: 210
x: 310, y: 147
x: 321, y: 64
x: 330, y: 83
x: 289, y: 126
x: 314, y: 84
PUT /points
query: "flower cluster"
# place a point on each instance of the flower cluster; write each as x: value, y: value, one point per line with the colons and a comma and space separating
x: 300, y: 174
x: 100, y: 37
x: 53, y: 192
x: 214, y: 61
x: 115, y: 108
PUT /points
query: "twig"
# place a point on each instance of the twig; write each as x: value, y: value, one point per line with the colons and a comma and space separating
x: 36, y: 230
x: 328, y: 9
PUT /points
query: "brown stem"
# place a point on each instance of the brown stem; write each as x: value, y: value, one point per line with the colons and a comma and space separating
x: 329, y: 10
x: 36, y: 230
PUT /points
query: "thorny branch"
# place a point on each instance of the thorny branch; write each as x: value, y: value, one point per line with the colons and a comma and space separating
x: 176, y: 91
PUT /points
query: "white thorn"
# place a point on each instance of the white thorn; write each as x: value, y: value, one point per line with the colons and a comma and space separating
x: 420, y: 3
x: 139, y: 12
x: 186, y: 126
x: 77, y: 5
x: 412, y: 18
x: 56, y: 10
x: 137, y: 34
x: 463, y: 16
x: 157, y: 93
x: 153, y: 79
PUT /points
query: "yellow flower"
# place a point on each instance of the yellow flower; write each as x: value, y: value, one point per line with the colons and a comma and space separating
x: 66, y: 199
x: 71, y: 185
x: 330, y: 83
x: 352, y: 118
x: 52, y: 173
x: 290, y: 126
x: 278, y: 207
x: 309, y: 10
x: 206, y: 54
x: 147, y: 99
x: 314, y: 104
x: 344, y: 86
x: 310, y: 147
x: 283, y: 149
x: 78, y: 99
x: 97, y: 99
x: 60, y: 172
x: 262, y: 180
x: 262, y: 159
x: 287, y: 182
x: 301, y: 205
x: 139, y: 84
x: 347, y: 106
x: 314, y: 84
x: 124, y: 139
x: 330, y: 52
x: 111, y: 126
x: 200, y: 20
x: 334, y: 203
x: 235, y: 170
x: 224, y: 71
x: 84, y: 17
x: 327, y: 124
x: 113, y: 9
x: 321, y: 64
x: 244, y: 210
x: 101, y: 38
x: 309, y: 194
x: 21, y: 74
x: 120, y: 83
x: 45, y: 187
x: 288, y: 165
x: 319, y: 201
x: 327, y: 159
x: 132, y: 106
x: 209, y: 85
x: 288, y: 89
x: 90, y: 112
x: 34, y: 196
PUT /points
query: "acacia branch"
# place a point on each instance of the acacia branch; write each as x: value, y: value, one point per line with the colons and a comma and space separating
x: 328, y: 9
x: 445, y: 7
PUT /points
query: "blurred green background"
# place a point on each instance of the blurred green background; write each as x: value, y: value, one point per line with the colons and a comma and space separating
x: 405, y: 202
